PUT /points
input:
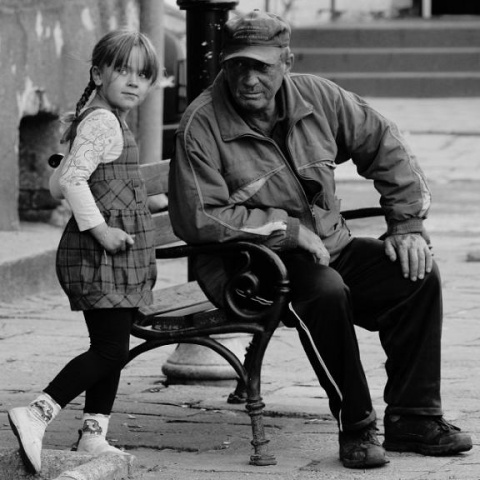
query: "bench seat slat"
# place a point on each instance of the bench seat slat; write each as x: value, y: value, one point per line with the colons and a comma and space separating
x: 182, y: 308
x: 173, y: 298
x: 203, y: 315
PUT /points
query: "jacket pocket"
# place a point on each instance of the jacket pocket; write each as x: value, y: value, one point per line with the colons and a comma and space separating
x: 327, y: 221
x: 319, y: 177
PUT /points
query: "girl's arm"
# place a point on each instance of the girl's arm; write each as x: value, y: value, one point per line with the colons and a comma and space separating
x: 99, y: 139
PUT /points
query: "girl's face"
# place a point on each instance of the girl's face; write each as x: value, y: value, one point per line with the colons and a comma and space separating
x: 123, y: 88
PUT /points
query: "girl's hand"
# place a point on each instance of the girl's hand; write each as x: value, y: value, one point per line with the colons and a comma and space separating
x: 112, y: 239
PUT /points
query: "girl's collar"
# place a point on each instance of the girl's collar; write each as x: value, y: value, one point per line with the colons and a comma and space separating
x: 99, y: 102
x: 93, y: 104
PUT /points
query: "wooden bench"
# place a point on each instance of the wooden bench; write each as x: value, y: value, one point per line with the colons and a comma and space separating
x: 183, y: 314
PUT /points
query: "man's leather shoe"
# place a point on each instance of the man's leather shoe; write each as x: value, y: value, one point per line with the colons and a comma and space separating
x: 428, y: 435
x: 361, y: 448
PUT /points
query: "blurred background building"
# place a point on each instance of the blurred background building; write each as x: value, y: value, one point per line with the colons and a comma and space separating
x: 302, y: 13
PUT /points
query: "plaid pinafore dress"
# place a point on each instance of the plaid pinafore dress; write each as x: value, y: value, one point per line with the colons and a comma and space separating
x: 90, y: 276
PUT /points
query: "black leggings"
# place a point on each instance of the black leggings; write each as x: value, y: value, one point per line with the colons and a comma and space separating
x: 97, y: 371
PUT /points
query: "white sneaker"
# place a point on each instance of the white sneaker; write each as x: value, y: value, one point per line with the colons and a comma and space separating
x: 29, y: 429
x: 96, y: 445
x: 93, y: 435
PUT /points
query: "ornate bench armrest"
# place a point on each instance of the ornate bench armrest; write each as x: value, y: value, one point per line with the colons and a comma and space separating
x: 243, y: 299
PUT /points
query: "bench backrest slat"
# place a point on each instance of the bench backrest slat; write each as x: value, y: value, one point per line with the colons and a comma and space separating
x: 156, y: 181
x: 156, y: 176
x: 163, y: 229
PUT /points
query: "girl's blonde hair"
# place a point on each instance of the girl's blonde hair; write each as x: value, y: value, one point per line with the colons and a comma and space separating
x: 113, y: 50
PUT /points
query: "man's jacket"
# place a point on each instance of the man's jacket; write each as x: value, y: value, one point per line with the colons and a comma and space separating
x: 229, y: 182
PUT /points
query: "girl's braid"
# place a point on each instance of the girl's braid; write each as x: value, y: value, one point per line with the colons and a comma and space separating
x: 70, y: 118
x: 85, y: 96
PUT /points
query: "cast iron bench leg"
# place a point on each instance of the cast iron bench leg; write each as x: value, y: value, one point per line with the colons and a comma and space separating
x: 261, y: 457
x: 255, y: 406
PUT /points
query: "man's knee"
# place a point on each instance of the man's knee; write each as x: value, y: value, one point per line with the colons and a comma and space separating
x: 325, y: 285
x: 430, y: 285
x: 434, y: 276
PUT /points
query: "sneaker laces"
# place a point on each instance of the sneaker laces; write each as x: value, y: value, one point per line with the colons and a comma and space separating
x: 369, y: 435
x: 446, y: 426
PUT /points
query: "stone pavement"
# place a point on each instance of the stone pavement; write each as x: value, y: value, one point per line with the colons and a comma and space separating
x: 189, y: 431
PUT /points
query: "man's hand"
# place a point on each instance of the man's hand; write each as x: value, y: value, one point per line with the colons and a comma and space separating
x: 313, y: 244
x: 413, y: 253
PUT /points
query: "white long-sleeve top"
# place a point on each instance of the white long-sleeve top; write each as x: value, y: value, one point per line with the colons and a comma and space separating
x: 99, y: 139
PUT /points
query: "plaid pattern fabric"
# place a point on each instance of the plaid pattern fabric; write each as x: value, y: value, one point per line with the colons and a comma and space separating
x: 91, y: 277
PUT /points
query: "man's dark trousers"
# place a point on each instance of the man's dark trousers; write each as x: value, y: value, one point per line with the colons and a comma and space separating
x: 363, y: 287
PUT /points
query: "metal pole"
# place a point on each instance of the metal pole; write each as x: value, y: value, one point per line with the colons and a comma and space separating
x: 151, y: 111
x: 427, y: 8
x: 205, y: 20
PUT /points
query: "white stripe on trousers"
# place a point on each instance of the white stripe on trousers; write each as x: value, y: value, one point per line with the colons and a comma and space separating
x: 320, y: 360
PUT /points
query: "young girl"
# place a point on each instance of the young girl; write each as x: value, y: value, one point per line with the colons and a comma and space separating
x: 105, y: 259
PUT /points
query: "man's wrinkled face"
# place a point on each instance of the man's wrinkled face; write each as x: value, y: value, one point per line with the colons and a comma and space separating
x: 254, y: 84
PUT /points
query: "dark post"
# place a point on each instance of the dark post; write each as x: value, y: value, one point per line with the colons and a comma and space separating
x: 205, y: 20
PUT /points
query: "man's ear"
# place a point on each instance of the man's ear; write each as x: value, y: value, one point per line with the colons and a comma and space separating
x: 289, y: 63
x: 96, y: 76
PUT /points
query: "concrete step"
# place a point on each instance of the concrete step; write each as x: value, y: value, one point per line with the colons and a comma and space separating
x: 66, y: 465
x: 27, y: 260
x: 434, y: 58
x: 408, y: 84
x: 388, y: 34
x: 428, y: 59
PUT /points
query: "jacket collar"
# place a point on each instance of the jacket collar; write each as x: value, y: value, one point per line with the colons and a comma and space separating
x: 231, y: 124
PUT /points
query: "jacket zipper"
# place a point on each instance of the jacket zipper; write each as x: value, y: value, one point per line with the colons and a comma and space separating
x: 309, y: 205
